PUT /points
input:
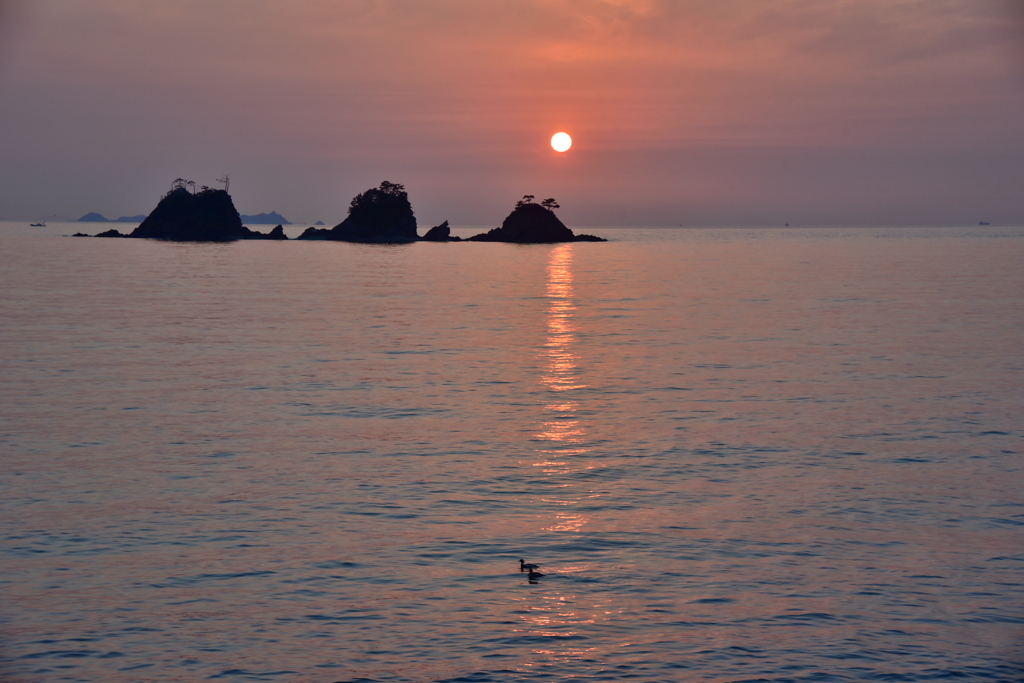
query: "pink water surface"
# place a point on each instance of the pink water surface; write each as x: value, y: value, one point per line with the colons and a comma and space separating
x: 738, y: 454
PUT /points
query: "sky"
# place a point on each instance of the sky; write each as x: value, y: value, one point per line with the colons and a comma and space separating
x: 682, y: 112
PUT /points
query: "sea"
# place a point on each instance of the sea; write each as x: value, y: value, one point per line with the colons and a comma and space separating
x: 785, y: 454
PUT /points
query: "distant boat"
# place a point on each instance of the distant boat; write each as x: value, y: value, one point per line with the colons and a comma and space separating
x: 983, y: 223
x: 38, y: 225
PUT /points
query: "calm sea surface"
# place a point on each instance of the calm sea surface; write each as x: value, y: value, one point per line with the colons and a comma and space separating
x: 737, y: 454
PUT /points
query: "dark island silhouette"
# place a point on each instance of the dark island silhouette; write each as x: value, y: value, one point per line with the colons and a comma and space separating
x: 384, y: 215
x: 380, y: 215
x: 205, y: 216
x: 531, y: 223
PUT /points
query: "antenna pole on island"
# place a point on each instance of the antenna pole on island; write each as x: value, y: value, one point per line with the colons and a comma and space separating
x: 226, y: 180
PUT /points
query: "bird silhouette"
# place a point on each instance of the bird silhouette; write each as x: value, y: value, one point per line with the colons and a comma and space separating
x: 524, y: 567
x: 534, y: 575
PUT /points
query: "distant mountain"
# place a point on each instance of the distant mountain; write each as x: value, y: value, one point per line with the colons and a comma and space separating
x: 272, y: 218
x: 100, y: 218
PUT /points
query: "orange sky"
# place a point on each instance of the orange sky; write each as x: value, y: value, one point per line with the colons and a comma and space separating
x: 694, y: 113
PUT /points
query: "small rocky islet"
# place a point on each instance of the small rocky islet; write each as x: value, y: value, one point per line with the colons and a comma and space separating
x: 381, y: 215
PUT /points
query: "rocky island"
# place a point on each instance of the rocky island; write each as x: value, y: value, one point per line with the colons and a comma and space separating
x: 384, y: 215
x: 531, y: 223
x: 381, y: 215
x: 205, y: 216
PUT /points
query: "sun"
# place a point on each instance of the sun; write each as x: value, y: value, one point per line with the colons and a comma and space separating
x: 561, y: 142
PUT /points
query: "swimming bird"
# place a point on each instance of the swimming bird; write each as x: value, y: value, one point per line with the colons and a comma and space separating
x: 532, y: 576
x: 523, y: 567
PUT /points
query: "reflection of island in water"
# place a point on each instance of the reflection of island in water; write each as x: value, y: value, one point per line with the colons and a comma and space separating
x: 562, y: 430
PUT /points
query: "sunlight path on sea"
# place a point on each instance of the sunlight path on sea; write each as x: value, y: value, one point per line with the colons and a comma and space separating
x: 555, y: 616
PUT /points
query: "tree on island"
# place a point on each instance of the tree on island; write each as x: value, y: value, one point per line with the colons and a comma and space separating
x: 183, y: 184
x: 375, y: 195
x: 550, y: 204
x: 527, y: 199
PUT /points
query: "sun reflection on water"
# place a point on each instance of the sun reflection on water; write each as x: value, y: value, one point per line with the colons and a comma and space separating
x: 561, y: 451
x: 561, y: 372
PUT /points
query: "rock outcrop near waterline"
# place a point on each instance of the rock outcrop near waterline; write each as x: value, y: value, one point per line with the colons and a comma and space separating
x: 440, y: 233
x: 379, y: 215
x: 532, y: 224
x: 276, y: 234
